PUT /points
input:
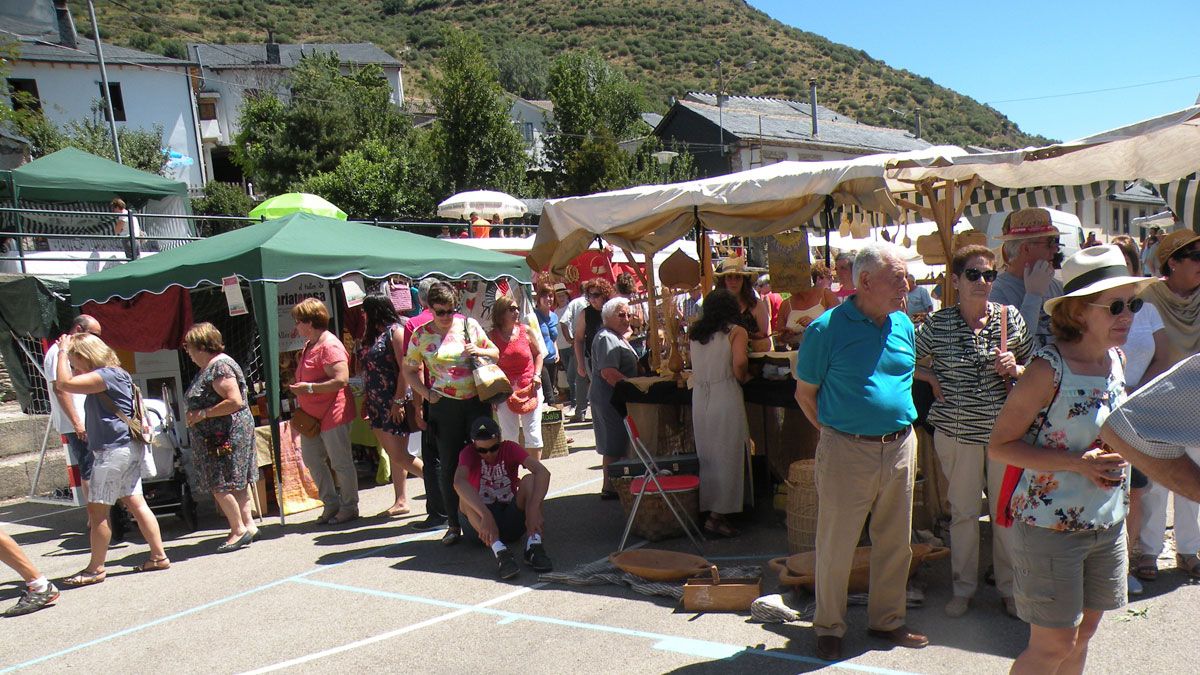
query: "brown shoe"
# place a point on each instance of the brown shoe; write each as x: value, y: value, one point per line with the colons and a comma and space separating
x: 829, y: 647
x: 901, y: 637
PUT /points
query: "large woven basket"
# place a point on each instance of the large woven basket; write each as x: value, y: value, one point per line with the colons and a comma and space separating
x: 554, y: 436
x: 802, y: 506
x: 654, y: 521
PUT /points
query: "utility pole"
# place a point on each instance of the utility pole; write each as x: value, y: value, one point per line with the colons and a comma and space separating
x: 104, y: 92
x: 721, y: 108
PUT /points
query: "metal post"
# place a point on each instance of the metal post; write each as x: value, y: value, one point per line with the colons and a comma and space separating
x: 112, y: 122
x: 134, y: 253
x: 721, y: 111
x: 827, y: 216
x: 12, y: 191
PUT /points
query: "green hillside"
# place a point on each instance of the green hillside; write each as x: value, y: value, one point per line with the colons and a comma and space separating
x: 667, y: 47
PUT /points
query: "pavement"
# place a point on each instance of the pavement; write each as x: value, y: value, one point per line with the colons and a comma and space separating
x: 376, y: 596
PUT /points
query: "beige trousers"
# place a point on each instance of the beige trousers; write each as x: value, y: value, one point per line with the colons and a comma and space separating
x: 965, y: 466
x: 855, y: 478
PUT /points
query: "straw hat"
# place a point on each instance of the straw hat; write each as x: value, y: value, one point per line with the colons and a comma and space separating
x: 1174, y: 242
x: 1028, y: 224
x: 736, y: 265
x: 1093, y: 270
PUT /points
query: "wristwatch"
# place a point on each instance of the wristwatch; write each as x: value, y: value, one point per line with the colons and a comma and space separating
x: 308, y: 387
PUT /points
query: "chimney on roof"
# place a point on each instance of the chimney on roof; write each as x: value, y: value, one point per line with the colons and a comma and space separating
x: 67, y: 36
x: 272, y: 49
x: 812, y: 104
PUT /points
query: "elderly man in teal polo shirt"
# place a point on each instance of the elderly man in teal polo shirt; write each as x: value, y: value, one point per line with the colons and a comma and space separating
x: 854, y: 379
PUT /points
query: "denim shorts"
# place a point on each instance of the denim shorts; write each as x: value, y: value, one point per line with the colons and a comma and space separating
x: 1058, y: 574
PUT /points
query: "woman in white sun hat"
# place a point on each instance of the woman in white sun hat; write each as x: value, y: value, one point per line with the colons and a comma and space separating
x: 1066, y: 493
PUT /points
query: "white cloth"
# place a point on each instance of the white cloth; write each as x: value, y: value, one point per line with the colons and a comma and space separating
x: 529, y: 423
x: 1139, y: 346
x: 59, y: 418
x: 719, y: 423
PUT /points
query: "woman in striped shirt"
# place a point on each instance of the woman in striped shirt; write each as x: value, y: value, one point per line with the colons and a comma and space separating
x: 973, y: 347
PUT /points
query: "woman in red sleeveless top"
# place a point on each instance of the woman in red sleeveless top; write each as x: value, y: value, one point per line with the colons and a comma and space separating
x: 521, y: 355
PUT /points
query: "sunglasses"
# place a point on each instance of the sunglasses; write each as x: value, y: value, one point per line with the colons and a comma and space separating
x: 623, y: 315
x: 1193, y: 255
x: 443, y: 312
x: 488, y: 451
x: 595, y: 295
x: 514, y: 310
x: 973, y: 274
x: 1118, y: 306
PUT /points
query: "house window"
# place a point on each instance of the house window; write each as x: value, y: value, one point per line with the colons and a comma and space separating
x: 118, y: 103
x: 208, y: 110
x: 24, y: 93
x: 528, y: 127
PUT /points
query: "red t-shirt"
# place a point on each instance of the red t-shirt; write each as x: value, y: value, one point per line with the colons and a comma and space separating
x: 775, y: 301
x: 333, y: 408
x: 496, y: 482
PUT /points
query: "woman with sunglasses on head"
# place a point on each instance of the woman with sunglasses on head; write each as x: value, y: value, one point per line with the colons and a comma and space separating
x: 521, y: 361
x: 973, y: 354
x: 1069, y: 503
x: 588, y: 322
x: 446, y: 347
x: 1177, y: 298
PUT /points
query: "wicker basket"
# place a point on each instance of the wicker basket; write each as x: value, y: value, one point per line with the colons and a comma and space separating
x: 554, y: 436
x: 654, y: 521
x: 802, y: 506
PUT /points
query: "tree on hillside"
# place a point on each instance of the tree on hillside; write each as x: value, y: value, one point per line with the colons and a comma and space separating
x: 474, y: 142
x: 327, y: 115
x: 524, y: 70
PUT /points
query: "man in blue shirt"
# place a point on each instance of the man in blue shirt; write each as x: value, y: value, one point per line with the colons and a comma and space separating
x: 854, y: 378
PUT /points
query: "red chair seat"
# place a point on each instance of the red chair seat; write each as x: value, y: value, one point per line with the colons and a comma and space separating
x: 679, y: 483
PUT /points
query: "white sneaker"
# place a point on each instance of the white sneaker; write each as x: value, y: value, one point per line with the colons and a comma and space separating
x: 1135, y: 586
x: 957, y: 607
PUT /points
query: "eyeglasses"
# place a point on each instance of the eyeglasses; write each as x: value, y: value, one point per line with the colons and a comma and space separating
x: 1118, y: 306
x: 973, y: 274
x: 623, y: 315
x: 1055, y: 242
x: 443, y: 312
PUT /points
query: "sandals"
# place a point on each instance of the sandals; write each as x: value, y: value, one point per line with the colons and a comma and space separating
x: 155, y: 564
x: 719, y: 527
x: 394, y: 512
x: 1146, y: 568
x: 1189, y: 564
x: 85, y: 578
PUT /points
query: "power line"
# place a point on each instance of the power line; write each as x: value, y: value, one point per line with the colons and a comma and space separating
x: 1095, y: 91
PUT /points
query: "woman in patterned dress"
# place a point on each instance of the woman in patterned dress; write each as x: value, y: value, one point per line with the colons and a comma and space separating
x: 1069, y: 506
x: 385, y: 393
x: 222, y: 432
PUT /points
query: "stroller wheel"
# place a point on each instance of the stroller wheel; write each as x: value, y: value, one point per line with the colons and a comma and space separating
x: 187, y: 509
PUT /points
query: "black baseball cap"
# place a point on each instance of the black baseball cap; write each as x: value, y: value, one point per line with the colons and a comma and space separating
x: 484, y: 429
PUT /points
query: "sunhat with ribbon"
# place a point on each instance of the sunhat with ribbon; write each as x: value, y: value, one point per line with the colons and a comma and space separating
x: 1028, y: 224
x: 736, y: 265
x: 1094, y: 270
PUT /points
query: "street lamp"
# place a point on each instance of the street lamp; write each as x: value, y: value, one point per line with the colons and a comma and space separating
x: 664, y: 156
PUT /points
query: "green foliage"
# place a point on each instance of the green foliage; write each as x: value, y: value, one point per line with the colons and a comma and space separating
x: 524, y: 69
x: 221, y: 199
x: 378, y: 181
x: 327, y: 115
x: 595, y: 106
x: 140, y: 148
x: 475, y: 143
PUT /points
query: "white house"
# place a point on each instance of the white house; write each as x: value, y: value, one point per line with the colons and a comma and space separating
x: 59, y: 70
x: 232, y: 72
x: 531, y: 119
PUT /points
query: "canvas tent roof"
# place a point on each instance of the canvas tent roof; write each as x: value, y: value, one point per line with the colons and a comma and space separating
x: 295, y: 245
x: 72, y: 175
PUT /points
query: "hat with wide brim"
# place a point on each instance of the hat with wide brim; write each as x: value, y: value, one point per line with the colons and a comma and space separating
x: 736, y: 265
x: 1169, y: 244
x: 1095, y: 270
x: 1028, y: 223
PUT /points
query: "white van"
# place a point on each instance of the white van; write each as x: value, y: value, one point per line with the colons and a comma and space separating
x: 1070, y: 230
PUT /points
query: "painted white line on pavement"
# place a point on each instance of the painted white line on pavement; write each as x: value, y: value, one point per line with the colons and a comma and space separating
x: 390, y: 634
x: 43, y: 515
x: 236, y: 596
x: 690, y: 646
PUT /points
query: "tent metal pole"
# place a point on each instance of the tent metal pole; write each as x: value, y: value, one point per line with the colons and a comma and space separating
x: 107, y: 95
x: 827, y: 216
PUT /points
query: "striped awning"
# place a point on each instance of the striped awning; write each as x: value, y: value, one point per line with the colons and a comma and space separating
x: 1181, y: 197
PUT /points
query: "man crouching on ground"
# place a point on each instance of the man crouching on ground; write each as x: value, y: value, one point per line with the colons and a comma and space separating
x: 499, y: 507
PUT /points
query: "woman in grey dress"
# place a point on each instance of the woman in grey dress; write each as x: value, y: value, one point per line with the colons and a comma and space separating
x: 222, y: 432
x: 613, y: 360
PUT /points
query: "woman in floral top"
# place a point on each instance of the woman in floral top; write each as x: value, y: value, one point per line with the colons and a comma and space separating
x: 1068, y: 538
x: 445, y: 346
x: 222, y: 431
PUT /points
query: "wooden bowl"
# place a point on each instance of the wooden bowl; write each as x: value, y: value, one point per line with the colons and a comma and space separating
x: 800, y: 569
x: 655, y: 565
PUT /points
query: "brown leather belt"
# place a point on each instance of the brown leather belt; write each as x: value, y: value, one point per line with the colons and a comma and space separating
x: 886, y: 438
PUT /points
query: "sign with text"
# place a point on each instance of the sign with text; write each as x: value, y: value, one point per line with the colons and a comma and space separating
x: 233, y: 296
x: 291, y: 292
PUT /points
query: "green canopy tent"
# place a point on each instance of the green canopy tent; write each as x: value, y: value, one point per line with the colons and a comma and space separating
x: 30, y: 308
x: 267, y: 253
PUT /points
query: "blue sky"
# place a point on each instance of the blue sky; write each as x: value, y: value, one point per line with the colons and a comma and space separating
x: 999, y: 51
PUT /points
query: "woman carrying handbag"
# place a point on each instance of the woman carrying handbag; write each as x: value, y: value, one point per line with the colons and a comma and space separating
x: 521, y: 361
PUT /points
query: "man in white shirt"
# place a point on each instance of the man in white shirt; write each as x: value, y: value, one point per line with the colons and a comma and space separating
x: 66, y: 410
x: 566, y: 331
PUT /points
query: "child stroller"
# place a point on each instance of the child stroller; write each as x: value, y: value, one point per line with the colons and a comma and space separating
x: 165, y: 486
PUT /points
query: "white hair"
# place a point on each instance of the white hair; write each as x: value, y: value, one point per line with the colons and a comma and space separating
x: 873, y: 257
x: 1012, y: 249
x: 610, y: 308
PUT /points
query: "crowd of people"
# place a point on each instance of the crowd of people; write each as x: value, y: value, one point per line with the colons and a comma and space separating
x: 1026, y: 370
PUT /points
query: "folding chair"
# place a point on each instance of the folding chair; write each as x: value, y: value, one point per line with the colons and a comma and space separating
x: 665, y: 485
